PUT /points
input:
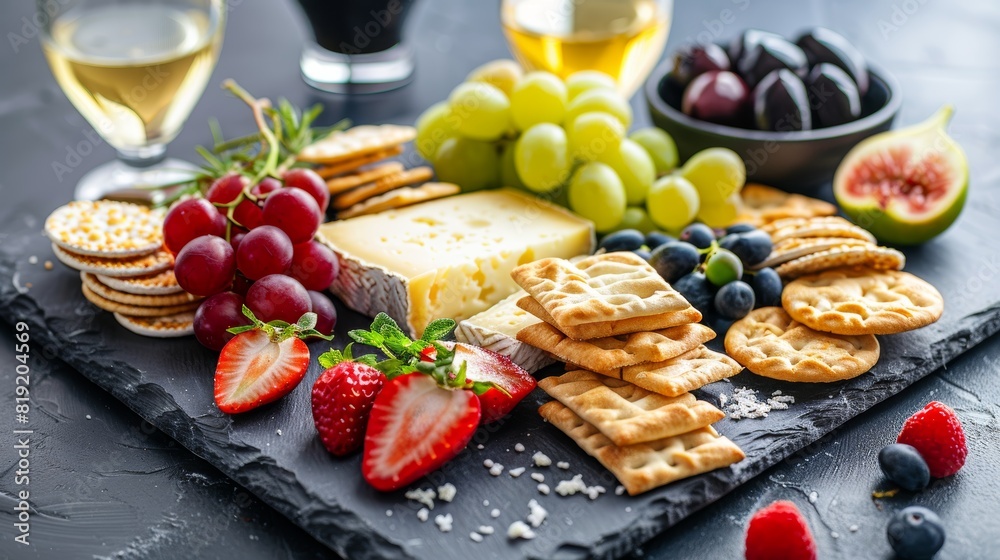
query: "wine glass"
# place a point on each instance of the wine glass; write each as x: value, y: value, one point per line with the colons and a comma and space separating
x: 358, y: 45
x: 622, y: 38
x: 134, y: 69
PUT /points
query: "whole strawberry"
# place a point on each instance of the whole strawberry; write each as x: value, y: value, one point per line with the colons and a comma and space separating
x: 779, y: 532
x: 342, y: 399
x: 937, y: 434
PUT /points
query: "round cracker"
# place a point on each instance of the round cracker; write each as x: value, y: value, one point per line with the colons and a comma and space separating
x: 136, y: 310
x: 106, y: 228
x: 108, y: 293
x: 159, y: 284
x: 770, y: 343
x: 126, y: 267
x: 862, y: 301
x: 821, y: 226
x: 169, y: 326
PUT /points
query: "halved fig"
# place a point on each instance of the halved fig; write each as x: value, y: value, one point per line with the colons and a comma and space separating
x: 905, y: 186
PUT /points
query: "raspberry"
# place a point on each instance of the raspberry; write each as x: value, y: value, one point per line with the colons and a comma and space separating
x: 937, y: 434
x: 779, y: 532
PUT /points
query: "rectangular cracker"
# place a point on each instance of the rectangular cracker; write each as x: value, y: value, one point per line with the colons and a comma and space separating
x: 616, y: 352
x: 687, y: 372
x: 645, y: 466
x: 404, y: 196
x: 382, y: 185
x: 356, y: 142
x: 345, y: 183
x: 346, y: 166
x: 606, y: 288
x: 628, y: 414
x: 604, y: 329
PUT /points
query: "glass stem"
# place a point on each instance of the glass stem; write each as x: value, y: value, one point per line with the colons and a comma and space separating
x: 146, y: 156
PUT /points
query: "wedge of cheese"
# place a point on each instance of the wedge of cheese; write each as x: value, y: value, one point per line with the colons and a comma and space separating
x: 496, y: 329
x: 449, y: 257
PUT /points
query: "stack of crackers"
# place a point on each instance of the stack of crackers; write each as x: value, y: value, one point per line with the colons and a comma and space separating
x: 360, y: 179
x: 124, y: 268
x: 634, y: 351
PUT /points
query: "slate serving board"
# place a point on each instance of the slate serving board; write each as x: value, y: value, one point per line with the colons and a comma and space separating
x: 274, y: 453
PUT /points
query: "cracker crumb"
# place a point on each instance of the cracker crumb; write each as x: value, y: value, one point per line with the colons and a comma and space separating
x: 48, y: 265
x: 541, y: 459
x: 519, y: 448
x: 444, y: 522
x: 516, y: 472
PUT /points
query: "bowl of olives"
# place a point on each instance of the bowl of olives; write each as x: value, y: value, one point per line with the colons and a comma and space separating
x: 791, y: 109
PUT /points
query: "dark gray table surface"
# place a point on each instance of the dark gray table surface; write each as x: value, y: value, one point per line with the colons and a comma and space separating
x: 120, y: 489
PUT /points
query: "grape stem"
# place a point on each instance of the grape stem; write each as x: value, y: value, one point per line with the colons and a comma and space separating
x: 271, y: 141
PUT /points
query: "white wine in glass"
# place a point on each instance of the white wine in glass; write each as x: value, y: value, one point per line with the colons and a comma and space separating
x: 134, y: 69
x: 622, y: 38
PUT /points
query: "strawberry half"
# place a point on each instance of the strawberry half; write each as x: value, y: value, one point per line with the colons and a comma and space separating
x: 415, y: 427
x: 262, y: 363
x: 487, y: 365
x: 342, y: 398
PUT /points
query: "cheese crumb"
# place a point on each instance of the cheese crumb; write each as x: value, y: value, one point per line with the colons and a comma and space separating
x: 496, y: 469
x: 853, y: 528
x: 388, y: 513
x: 516, y: 472
x: 619, y: 490
x: 543, y: 489
x: 486, y: 503
x: 538, y: 477
x: 476, y: 537
x: 447, y: 492
x: 422, y: 496
x: 541, y: 459
x: 519, y: 448
x: 537, y: 513
x: 32, y: 259
x: 813, y: 496
x: 488, y: 463
x: 495, y: 513
x: 520, y: 530
x: 422, y: 514
x: 480, y: 446
x: 576, y: 485
x: 562, y: 465
x: 746, y: 404
x: 486, y: 529
x: 278, y: 431
x: 443, y: 522
x: 628, y: 510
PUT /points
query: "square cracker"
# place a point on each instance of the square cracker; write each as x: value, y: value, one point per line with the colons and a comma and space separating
x: 356, y: 142
x: 398, y: 198
x: 606, y: 288
x: 604, y: 329
x: 627, y: 414
x: 644, y: 466
x: 687, y: 372
x: 617, y: 351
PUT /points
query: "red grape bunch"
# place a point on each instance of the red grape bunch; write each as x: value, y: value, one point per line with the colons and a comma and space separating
x: 254, y: 245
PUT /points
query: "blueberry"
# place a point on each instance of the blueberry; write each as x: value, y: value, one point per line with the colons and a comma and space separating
x: 766, y: 288
x: 675, y: 259
x: 915, y: 533
x: 656, y: 238
x: 751, y: 247
x: 644, y: 254
x: 734, y: 300
x: 697, y: 290
x: 740, y: 228
x: 699, y: 235
x: 903, y: 465
x: 624, y: 240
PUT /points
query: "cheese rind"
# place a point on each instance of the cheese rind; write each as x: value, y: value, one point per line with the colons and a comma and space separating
x: 450, y: 257
x: 496, y: 329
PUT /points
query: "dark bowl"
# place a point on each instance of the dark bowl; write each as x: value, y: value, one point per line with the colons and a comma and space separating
x: 797, y: 161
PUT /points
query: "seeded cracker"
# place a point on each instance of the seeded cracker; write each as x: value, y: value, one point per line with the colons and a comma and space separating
x: 170, y: 326
x: 159, y: 284
x: 117, y: 267
x: 106, y: 228
x: 136, y: 310
x: 108, y: 293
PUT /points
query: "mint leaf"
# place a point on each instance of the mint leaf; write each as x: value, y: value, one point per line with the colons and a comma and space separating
x: 307, y: 321
x: 438, y: 329
x: 241, y: 329
x: 383, y: 320
x: 367, y: 337
x: 331, y: 358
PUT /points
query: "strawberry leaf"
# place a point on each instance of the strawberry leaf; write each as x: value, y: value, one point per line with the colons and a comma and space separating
x: 438, y: 329
x: 307, y: 321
